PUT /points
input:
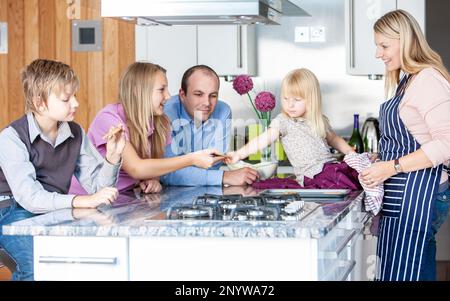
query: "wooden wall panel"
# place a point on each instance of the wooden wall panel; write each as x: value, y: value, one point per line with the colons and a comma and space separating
x: 127, y: 49
x: 31, y: 41
x: 62, y: 32
x: 42, y: 29
x: 47, y: 26
x: 16, y: 51
x: 95, y: 63
x: 4, y: 104
x: 111, y: 59
x: 79, y: 62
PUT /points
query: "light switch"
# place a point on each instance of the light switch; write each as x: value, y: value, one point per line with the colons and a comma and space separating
x: 87, y: 35
x: 302, y: 34
x: 318, y: 34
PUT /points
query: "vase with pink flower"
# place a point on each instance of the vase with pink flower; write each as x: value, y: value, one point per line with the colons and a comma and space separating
x: 262, y: 104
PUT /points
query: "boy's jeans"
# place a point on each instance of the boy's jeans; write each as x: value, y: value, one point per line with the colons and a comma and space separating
x: 19, y: 247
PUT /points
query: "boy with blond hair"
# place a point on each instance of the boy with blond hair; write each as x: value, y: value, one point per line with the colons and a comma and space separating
x: 41, y: 151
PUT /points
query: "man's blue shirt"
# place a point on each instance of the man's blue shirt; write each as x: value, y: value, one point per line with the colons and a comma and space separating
x: 186, y: 138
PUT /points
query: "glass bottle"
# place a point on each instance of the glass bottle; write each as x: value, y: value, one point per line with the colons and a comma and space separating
x: 355, y: 140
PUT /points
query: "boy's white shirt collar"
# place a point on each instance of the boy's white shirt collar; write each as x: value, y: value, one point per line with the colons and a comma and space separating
x: 34, y: 130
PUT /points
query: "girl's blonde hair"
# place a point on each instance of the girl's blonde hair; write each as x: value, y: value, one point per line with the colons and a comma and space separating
x: 303, y: 83
x: 42, y: 77
x: 135, y: 94
x: 415, y: 53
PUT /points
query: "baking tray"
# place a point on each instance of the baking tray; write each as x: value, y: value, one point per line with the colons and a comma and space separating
x: 312, y: 193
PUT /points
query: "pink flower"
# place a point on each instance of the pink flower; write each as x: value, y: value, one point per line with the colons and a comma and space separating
x: 265, y: 101
x: 242, y: 84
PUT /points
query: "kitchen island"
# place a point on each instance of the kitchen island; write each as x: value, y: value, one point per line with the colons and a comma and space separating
x: 134, y: 240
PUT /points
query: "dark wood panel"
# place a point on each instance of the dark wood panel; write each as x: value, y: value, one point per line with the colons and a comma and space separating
x: 443, y: 270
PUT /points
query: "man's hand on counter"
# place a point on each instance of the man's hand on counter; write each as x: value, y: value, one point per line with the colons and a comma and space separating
x: 242, y: 176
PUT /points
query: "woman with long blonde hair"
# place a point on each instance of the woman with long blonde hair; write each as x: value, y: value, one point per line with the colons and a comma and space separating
x: 305, y: 135
x: 414, y: 148
x: 143, y: 91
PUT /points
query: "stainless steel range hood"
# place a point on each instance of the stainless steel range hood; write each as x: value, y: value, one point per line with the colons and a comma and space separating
x: 183, y: 12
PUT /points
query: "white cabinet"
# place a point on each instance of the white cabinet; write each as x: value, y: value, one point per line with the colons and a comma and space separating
x: 80, y: 258
x: 172, y: 47
x: 360, y: 17
x: 228, y: 49
x: 415, y: 8
x: 222, y: 259
x: 333, y: 257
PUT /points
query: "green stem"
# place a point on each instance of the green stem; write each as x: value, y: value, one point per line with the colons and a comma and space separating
x: 253, y: 105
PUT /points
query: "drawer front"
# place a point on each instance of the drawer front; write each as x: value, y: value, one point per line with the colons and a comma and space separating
x: 80, y: 258
x: 336, y: 251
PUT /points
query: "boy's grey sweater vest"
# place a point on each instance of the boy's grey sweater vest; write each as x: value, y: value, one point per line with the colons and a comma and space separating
x: 54, y: 166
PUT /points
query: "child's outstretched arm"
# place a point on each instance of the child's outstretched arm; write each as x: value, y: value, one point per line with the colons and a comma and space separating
x: 254, y: 145
x: 339, y: 143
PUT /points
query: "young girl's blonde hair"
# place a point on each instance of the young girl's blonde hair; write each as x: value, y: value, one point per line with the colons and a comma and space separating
x: 135, y: 94
x: 415, y: 53
x: 303, y: 83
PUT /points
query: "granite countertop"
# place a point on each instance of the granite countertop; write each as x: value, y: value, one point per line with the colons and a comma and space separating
x: 144, y: 215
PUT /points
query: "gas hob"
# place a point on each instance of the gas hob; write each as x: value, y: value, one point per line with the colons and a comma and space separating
x: 236, y: 207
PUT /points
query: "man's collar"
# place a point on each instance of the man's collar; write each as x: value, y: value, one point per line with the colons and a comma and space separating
x: 183, y: 113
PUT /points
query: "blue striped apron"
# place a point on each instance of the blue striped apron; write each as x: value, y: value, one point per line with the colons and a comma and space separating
x: 408, y: 200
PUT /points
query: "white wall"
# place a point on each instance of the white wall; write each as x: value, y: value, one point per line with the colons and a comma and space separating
x: 277, y: 54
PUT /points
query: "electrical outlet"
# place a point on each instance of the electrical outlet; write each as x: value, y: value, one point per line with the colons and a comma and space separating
x: 318, y: 34
x: 302, y: 34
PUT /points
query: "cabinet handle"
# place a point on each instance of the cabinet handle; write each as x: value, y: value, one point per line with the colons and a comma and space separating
x: 351, y: 33
x: 330, y: 254
x: 345, y: 242
x: 84, y: 260
x: 349, y: 269
x: 239, y: 46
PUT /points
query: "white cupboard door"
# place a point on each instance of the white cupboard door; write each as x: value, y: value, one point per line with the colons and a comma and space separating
x: 360, y: 17
x: 415, y: 8
x: 222, y: 259
x: 228, y: 49
x: 175, y: 49
x: 80, y: 258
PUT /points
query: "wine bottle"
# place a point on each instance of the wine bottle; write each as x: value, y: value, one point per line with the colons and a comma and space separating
x: 355, y: 140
